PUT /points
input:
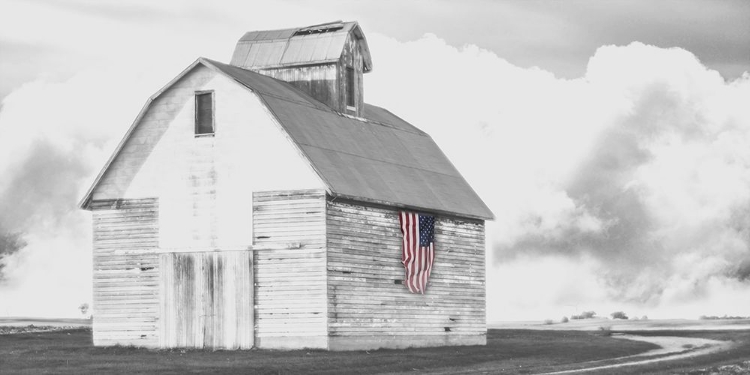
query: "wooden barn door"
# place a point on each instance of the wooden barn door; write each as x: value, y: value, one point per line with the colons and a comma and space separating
x: 207, y: 300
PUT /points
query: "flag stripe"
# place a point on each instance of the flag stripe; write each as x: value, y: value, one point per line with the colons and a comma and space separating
x: 418, y: 253
x: 415, y: 254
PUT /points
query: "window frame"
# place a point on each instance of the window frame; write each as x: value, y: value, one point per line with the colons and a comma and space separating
x: 351, y: 103
x: 213, y: 113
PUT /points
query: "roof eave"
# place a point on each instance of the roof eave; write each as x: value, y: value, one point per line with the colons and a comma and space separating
x: 412, y: 208
x: 366, y: 57
x: 86, y: 201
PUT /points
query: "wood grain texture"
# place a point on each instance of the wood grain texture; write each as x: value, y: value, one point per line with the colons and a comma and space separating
x: 206, y: 300
x: 351, y: 57
x: 367, y: 303
x: 125, y: 285
x: 320, y: 81
x: 290, y: 292
x: 323, y: 273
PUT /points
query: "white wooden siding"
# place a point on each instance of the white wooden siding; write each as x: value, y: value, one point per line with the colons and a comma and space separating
x: 290, y: 292
x: 126, y: 274
x: 367, y: 302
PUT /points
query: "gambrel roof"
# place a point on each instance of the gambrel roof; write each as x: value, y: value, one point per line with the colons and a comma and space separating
x: 299, y: 46
x: 379, y: 159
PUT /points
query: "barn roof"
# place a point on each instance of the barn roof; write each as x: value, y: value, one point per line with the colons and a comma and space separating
x: 380, y: 158
x: 299, y: 46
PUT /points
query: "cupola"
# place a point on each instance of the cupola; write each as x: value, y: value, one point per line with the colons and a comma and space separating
x: 326, y: 61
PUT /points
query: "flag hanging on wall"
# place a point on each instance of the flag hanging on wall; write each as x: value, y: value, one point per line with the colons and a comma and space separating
x: 418, y: 249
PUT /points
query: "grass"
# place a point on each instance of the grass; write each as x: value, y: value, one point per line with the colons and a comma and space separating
x: 507, y: 351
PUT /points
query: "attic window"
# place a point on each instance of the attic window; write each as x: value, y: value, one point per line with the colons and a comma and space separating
x: 350, y: 87
x: 204, y: 113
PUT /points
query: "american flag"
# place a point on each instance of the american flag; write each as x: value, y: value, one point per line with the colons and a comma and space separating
x: 418, y: 249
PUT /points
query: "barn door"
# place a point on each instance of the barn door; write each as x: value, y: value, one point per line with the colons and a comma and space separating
x: 206, y: 300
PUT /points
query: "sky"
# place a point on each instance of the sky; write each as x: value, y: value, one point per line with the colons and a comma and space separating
x: 611, y: 139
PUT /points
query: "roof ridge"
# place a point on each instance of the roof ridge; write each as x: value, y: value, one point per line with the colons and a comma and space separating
x: 310, y: 103
x: 322, y: 107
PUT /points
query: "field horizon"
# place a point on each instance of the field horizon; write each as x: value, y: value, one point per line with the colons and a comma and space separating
x: 591, y: 324
x: 597, y: 323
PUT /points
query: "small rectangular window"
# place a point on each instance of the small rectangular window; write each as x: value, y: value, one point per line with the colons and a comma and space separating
x: 204, y: 113
x: 349, y: 87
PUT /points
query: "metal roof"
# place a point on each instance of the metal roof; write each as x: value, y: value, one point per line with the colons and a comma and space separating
x: 299, y: 46
x: 381, y: 158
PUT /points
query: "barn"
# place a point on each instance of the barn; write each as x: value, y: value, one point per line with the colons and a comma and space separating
x: 261, y: 204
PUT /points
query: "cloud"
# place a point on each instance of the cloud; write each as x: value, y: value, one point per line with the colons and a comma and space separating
x: 60, y: 126
x: 10, y: 243
x: 56, y: 137
x: 626, y: 188
x: 635, y: 175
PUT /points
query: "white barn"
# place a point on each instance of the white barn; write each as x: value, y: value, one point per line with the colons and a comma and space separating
x: 255, y: 204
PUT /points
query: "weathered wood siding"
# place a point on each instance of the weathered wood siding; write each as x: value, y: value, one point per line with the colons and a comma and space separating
x: 320, y: 81
x: 352, y: 57
x: 206, y: 300
x: 327, y: 82
x: 368, y: 307
x: 204, y: 183
x: 126, y: 274
x: 290, y: 281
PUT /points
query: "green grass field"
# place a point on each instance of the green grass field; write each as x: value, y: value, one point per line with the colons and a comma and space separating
x: 507, y: 351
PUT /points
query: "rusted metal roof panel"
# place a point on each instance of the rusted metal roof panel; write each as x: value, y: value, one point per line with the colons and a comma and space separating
x: 267, y: 35
x: 267, y: 53
x: 388, y: 161
x: 322, y: 46
x: 313, y: 49
x: 336, y: 47
x: 303, y: 46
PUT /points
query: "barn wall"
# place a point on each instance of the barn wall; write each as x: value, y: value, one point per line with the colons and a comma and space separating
x: 290, y: 281
x: 368, y: 307
x: 126, y: 274
x: 204, y: 184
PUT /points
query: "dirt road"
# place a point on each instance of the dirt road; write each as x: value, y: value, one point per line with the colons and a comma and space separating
x: 672, y: 348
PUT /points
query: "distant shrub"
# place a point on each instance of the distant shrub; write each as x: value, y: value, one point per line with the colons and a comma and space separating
x: 564, y: 319
x: 605, y: 331
x: 584, y: 315
x: 84, y: 308
x: 635, y: 318
x: 714, y: 317
x: 548, y: 321
x: 618, y: 315
x: 644, y: 317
